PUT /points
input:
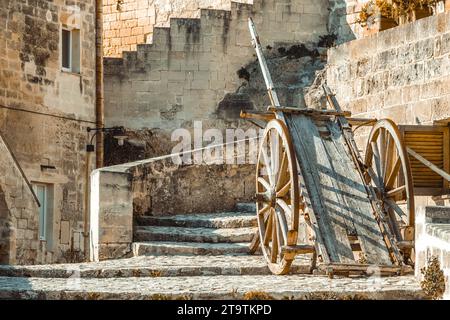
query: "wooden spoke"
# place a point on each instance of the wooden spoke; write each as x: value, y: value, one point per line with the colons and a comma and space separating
x: 377, y: 160
x: 386, y: 152
x: 267, y: 165
x: 264, y: 209
x: 374, y: 178
x: 383, y: 144
x: 274, y: 249
x: 393, y: 205
x: 388, y: 156
x: 264, y: 183
x: 284, y: 190
x: 269, y: 226
x: 394, y: 173
x: 395, y: 192
x: 283, y: 175
x: 282, y: 225
x: 280, y: 236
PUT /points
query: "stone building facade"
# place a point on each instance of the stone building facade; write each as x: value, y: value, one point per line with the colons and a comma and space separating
x: 128, y: 23
x: 47, y: 101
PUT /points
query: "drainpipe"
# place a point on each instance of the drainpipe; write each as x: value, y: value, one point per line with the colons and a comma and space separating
x: 99, y: 107
x: 99, y: 119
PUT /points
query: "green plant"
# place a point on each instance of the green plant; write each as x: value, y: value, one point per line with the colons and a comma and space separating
x: 433, y: 283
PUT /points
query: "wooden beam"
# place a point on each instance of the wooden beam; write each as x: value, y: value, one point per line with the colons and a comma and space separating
x: 429, y: 164
x: 362, y: 122
x: 261, y: 115
x: 312, y: 112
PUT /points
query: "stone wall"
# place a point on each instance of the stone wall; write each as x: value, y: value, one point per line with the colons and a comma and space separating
x: 164, y: 188
x: 18, y: 213
x: 44, y: 112
x: 127, y: 23
x: 191, y: 66
x: 402, y: 73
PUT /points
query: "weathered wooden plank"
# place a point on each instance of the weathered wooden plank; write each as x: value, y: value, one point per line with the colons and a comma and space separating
x: 429, y: 164
x: 354, y: 197
x: 312, y: 160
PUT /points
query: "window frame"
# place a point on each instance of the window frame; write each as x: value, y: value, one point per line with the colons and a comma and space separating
x: 43, y: 209
x: 65, y: 69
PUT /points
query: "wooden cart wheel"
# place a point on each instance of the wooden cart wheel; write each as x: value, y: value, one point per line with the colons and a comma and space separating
x: 389, y: 172
x: 277, y: 196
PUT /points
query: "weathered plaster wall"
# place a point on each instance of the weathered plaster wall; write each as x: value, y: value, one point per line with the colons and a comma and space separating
x: 44, y: 112
x: 191, y: 66
x: 127, y: 23
x: 18, y: 214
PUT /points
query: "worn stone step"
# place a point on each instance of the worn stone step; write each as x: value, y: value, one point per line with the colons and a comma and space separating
x: 249, y: 207
x: 152, y: 266
x: 212, y: 220
x: 156, y: 233
x: 212, y: 287
x: 188, y: 248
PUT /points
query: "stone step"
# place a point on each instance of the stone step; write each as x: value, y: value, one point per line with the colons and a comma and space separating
x: 189, y: 248
x: 205, y: 235
x: 249, y: 207
x: 212, y: 220
x: 153, y: 266
x: 212, y: 288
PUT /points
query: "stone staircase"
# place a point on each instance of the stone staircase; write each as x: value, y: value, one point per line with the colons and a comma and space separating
x: 193, y: 256
x: 227, y: 233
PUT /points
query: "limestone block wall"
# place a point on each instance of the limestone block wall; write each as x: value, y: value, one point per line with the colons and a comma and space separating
x: 44, y: 112
x: 401, y: 73
x: 127, y: 23
x: 111, y: 214
x: 190, y: 67
x: 164, y: 188
x: 19, y: 242
x: 433, y: 240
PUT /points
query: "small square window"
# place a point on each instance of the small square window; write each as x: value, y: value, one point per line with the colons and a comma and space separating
x: 70, y: 50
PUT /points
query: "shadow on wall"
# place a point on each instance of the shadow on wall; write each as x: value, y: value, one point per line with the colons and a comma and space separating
x: 295, y: 68
x: 6, y: 232
x: 337, y: 21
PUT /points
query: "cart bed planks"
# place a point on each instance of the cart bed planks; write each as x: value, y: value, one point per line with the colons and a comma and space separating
x: 336, y: 191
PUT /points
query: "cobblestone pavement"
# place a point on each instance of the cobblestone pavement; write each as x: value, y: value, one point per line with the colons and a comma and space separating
x: 210, y: 287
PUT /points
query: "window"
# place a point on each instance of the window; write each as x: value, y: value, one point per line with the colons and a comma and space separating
x: 44, y: 194
x: 70, y: 50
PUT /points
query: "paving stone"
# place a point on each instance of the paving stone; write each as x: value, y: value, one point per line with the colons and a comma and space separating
x: 210, y: 287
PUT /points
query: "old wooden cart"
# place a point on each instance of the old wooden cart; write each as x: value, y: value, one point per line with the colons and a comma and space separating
x: 317, y: 196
